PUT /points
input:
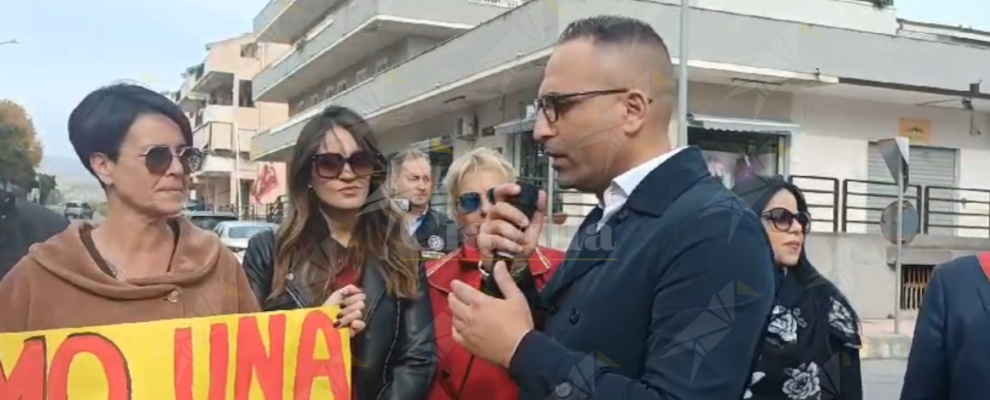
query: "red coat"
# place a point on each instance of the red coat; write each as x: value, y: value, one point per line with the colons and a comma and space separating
x: 486, y: 381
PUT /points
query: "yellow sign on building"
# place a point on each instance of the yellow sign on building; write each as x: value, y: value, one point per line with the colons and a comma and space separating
x: 919, y: 131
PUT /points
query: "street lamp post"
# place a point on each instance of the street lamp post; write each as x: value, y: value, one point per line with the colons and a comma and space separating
x: 682, y: 79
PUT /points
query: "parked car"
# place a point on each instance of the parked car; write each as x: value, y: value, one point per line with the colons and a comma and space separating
x: 78, y: 210
x: 235, y: 234
x: 195, y: 205
x: 208, y: 220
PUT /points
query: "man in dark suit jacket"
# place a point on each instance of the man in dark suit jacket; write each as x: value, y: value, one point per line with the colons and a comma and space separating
x: 412, y: 182
x: 950, y: 352
x: 668, y: 284
x: 23, y: 224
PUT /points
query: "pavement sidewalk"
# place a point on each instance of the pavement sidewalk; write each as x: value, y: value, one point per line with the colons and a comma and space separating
x: 880, y: 341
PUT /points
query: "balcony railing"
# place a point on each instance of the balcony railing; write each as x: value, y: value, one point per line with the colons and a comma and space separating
x: 863, y: 207
x: 854, y: 205
x: 966, y: 210
x: 821, y: 194
x: 214, y: 136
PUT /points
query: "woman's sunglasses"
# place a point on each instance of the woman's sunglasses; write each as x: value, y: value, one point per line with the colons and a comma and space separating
x: 331, y: 165
x: 782, y: 219
x: 471, y: 201
x: 159, y: 158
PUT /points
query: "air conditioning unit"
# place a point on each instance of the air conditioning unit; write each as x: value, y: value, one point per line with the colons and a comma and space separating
x: 467, y: 127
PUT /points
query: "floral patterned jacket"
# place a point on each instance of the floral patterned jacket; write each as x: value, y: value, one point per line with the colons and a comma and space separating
x: 811, y: 347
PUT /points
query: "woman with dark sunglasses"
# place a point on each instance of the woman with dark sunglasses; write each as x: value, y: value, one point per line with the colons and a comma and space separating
x: 471, y: 180
x: 142, y: 263
x: 811, y: 347
x: 343, y: 238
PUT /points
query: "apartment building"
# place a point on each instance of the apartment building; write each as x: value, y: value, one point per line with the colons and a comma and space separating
x: 803, y: 88
x: 338, y: 45
x: 797, y: 87
x: 218, y: 96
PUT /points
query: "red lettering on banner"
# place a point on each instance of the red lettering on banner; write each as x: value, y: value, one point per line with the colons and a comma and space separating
x: 26, y: 380
x: 113, y: 361
x: 219, y: 361
x: 183, y: 364
x: 318, y: 324
x: 252, y: 358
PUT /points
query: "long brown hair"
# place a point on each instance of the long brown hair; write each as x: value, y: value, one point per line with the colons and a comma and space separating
x: 379, y: 232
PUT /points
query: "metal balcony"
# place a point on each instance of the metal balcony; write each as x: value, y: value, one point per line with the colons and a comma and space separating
x: 358, y: 29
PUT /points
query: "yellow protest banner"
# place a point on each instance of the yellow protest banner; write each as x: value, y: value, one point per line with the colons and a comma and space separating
x: 286, y: 356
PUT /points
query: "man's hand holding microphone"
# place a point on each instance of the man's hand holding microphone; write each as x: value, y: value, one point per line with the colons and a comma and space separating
x: 492, y: 327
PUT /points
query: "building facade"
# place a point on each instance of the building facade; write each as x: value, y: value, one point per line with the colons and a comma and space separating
x: 218, y: 97
x: 801, y: 89
x: 805, y: 91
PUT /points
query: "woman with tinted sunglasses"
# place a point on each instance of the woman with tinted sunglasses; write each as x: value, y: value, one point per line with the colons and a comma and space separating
x: 142, y: 263
x: 470, y: 179
x: 811, y: 347
x: 343, y: 239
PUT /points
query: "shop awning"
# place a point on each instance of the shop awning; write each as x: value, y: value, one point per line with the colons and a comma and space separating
x: 516, y: 126
x: 743, y: 125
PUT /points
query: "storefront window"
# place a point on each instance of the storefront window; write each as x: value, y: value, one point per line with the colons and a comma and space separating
x: 732, y: 156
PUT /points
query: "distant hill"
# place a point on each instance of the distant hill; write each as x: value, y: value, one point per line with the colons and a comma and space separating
x: 74, y: 181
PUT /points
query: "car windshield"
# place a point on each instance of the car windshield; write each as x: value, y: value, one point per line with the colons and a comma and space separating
x: 74, y: 205
x: 246, y: 232
x: 208, y: 222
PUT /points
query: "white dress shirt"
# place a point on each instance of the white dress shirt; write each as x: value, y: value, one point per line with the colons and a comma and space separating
x: 622, y: 186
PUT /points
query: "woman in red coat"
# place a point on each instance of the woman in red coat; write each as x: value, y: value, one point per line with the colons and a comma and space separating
x: 468, y: 180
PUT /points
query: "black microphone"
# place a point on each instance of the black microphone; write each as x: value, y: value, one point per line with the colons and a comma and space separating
x: 526, y: 201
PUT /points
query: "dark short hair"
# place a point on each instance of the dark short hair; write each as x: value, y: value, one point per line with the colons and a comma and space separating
x: 100, y: 122
x: 612, y: 29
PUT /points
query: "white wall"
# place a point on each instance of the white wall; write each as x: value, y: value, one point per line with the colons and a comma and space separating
x: 490, y: 113
x: 836, y: 132
x: 849, y: 14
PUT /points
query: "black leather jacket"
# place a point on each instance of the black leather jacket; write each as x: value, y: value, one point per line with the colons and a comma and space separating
x: 395, y: 354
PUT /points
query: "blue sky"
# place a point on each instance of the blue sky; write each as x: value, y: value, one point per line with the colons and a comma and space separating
x: 71, y: 47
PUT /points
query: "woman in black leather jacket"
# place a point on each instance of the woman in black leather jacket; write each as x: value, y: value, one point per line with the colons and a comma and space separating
x: 340, y: 230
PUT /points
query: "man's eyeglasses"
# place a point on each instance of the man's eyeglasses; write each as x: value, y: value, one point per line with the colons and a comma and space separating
x: 331, y: 165
x: 159, y: 158
x: 554, y: 104
x: 783, y: 219
x: 470, y: 202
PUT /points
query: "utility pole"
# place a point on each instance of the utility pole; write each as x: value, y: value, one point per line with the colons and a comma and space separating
x: 236, y: 175
x: 682, y: 79
x: 898, y: 267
